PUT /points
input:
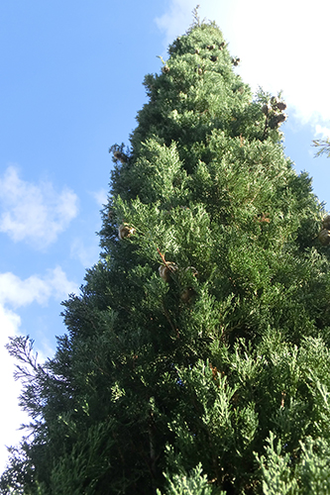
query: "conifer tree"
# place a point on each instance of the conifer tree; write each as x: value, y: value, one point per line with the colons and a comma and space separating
x: 196, y: 356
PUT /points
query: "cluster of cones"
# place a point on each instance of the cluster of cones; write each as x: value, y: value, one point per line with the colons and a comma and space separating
x: 274, y: 112
x: 214, y: 58
x: 167, y: 270
x: 324, y: 235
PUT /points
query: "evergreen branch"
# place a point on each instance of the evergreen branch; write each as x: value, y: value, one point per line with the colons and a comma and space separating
x: 167, y: 316
x: 323, y: 145
x: 168, y: 265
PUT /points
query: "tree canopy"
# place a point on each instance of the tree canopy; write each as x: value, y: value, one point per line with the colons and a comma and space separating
x: 196, y: 356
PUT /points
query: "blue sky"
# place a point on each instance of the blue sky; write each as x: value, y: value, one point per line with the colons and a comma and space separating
x: 71, y: 86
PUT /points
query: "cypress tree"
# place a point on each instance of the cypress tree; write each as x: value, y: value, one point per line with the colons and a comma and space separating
x: 195, y: 358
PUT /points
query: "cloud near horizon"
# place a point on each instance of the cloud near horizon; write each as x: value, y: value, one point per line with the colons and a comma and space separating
x: 11, y: 416
x: 34, y: 213
x: 15, y: 292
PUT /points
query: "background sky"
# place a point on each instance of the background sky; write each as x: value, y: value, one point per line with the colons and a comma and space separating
x: 71, y: 86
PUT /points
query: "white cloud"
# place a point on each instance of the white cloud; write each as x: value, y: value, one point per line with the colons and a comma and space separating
x: 283, y: 45
x: 11, y: 416
x: 60, y: 284
x: 17, y: 292
x: 322, y: 132
x: 87, y: 255
x: 101, y: 197
x: 34, y: 213
x: 177, y: 19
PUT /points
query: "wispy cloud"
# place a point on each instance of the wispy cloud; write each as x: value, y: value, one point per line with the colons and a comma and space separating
x: 16, y: 292
x: 287, y: 48
x: 87, y: 255
x: 34, y: 212
x: 101, y: 197
x: 176, y: 19
x: 282, y: 45
x: 11, y: 415
x: 178, y: 16
x: 322, y: 132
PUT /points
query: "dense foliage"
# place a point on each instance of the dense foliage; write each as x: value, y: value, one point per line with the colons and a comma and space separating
x: 195, y: 359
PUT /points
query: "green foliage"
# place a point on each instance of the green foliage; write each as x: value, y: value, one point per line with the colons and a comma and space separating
x: 277, y: 474
x: 323, y: 146
x: 196, y: 356
x: 195, y: 484
x: 282, y: 475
